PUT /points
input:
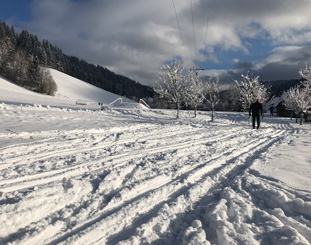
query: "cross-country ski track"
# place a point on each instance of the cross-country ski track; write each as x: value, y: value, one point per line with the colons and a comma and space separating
x: 158, y: 182
x: 126, y: 174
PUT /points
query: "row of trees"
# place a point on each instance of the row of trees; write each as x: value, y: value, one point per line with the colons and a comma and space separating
x: 24, y: 69
x: 183, y: 90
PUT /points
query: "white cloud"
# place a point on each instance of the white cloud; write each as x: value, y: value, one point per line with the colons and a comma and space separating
x: 289, y: 55
x: 134, y: 38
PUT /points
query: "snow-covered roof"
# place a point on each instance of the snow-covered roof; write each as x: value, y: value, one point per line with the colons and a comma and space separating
x: 275, y: 101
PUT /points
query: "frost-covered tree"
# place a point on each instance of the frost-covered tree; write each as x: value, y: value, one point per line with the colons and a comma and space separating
x: 195, y: 93
x: 297, y: 99
x: 251, y: 89
x: 173, y: 83
x: 46, y: 84
x: 306, y: 74
x: 33, y: 72
x: 212, y: 94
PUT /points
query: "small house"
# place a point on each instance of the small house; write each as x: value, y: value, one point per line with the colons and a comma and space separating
x: 280, y: 109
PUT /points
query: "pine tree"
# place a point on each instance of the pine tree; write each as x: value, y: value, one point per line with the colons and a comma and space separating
x: 33, y: 73
x: 6, y: 52
x: 19, y: 67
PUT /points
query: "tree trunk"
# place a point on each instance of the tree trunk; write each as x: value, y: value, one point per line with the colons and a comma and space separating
x: 301, y: 118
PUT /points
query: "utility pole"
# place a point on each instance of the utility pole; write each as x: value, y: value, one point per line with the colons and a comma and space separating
x: 196, y: 69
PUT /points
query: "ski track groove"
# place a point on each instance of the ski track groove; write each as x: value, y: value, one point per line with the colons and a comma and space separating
x: 216, y: 169
x: 286, y: 218
x: 65, y: 152
x: 221, y: 183
x: 12, y: 184
x: 149, y: 213
x: 170, y: 189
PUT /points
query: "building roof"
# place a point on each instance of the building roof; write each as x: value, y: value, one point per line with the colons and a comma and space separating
x: 275, y: 101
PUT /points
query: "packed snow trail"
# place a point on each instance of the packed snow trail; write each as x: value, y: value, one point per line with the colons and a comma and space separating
x: 151, y: 180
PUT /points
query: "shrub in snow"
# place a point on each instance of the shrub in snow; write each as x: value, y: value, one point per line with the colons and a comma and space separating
x: 67, y: 184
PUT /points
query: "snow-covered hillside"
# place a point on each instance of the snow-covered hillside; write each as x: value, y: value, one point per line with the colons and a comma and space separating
x: 75, y: 89
x: 138, y: 176
x: 69, y: 91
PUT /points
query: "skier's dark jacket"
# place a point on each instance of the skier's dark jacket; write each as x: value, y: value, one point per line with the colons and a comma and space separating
x: 255, y: 109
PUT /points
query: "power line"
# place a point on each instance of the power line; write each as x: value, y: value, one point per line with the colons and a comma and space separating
x: 207, y: 20
x: 182, y: 40
x: 195, y: 48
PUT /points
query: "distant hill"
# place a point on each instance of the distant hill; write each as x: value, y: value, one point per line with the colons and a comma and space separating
x: 279, y: 86
x: 53, y: 57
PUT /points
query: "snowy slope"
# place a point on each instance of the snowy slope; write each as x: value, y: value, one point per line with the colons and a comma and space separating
x: 134, y: 176
x: 11, y: 93
x: 75, y: 89
x: 69, y: 91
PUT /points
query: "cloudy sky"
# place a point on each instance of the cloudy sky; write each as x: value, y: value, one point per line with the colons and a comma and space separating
x: 271, y: 38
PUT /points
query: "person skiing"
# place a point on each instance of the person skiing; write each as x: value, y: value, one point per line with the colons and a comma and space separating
x: 256, y: 111
x: 271, y: 109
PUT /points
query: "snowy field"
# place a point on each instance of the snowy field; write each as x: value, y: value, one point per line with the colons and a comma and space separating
x: 75, y: 175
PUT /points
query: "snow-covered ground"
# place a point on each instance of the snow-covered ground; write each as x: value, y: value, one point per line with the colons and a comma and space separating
x: 71, y: 175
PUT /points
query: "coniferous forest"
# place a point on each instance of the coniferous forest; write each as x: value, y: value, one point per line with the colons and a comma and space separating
x: 22, y: 55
